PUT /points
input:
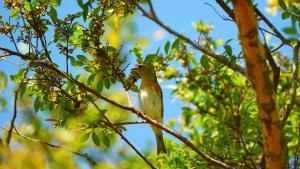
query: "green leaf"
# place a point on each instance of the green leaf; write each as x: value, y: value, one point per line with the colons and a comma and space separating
x: 290, y: 30
x: 85, y: 137
x: 46, y: 22
x: 228, y: 50
x: 85, y: 11
x: 282, y: 4
x: 22, y: 89
x: 77, y: 76
x: 134, y: 88
x: 56, y: 2
x: 27, y: 6
x: 175, y: 44
x: 73, y: 61
x: 3, y: 103
x: 285, y: 15
x: 151, y: 58
x: 80, y: 3
x: 137, y: 50
x: 100, y: 85
x: 95, y: 139
x: 51, y: 106
x: 296, y: 10
x: 37, y: 104
x: 228, y: 41
x: 204, y: 62
x: 82, y: 58
x: 14, y: 13
x: 157, y: 51
x: 91, y: 79
x: 167, y: 47
x: 105, y: 140
x: 107, y: 83
x: 18, y: 76
x: 3, y: 81
x: 235, y: 97
x: 53, y: 14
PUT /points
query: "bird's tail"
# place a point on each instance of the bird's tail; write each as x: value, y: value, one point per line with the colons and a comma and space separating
x: 161, y: 148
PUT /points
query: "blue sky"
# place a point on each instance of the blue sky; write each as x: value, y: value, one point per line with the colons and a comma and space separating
x: 177, y: 14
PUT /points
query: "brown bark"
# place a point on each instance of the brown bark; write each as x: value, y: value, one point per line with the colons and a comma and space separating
x: 259, y: 75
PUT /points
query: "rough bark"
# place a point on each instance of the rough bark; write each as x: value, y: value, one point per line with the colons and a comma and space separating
x: 259, y: 75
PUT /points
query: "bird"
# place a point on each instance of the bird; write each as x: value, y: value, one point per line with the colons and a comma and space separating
x: 151, y: 100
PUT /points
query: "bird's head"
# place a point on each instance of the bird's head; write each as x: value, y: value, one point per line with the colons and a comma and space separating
x: 145, y: 70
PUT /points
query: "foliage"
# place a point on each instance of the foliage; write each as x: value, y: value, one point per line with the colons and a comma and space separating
x: 220, y: 116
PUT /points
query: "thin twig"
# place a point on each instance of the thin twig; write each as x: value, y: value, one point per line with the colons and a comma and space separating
x: 86, y: 156
x: 219, y: 58
x: 277, y: 48
x: 225, y: 7
x: 294, y: 83
x: 129, y: 123
x: 274, y: 29
x: 276, y: 33
x: 4, y: 55
x: 223, y: 17
x: 123, y: 137
x: 67, y: 50
x: 12, y: 122
x: 272, y: 63
x: 12, y: 36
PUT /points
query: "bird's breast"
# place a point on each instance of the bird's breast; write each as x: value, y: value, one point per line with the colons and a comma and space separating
x: 151, y: 103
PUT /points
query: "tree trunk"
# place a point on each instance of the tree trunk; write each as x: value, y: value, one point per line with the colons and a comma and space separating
x: 259, y: 75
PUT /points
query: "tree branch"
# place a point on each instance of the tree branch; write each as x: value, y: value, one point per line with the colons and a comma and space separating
x: 123, y: 137
x: 259, y: 76
x: 276, y: 33
x: 274, y: 29
x: 219, y: 58
x: 86, y: 156
x: 12, y: 122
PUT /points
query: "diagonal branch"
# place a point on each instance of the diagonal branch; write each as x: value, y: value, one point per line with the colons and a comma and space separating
x: 86, y: 156
x: 85, y: 88
x: 276, y: 33
x: 111, y: 125
x: 12, y: 122
x: 152, y: 16
x: 274, y: 29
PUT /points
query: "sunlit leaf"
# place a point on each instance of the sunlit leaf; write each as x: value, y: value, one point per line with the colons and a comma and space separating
x: 107, y: 83
x: 37, y: 104
x: 105, y: 140
x: 95, y: 139
x: 27, y: 6
x: 85, y: 137
x: 167, y: 47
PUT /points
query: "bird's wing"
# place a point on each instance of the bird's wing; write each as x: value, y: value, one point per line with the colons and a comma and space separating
x: 140, y: 100
x: 162, y: 102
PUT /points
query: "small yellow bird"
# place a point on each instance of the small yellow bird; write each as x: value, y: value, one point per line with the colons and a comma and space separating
x: 151, y: 100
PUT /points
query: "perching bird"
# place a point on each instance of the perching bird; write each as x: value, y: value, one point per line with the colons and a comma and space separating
x: 151, y: 101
